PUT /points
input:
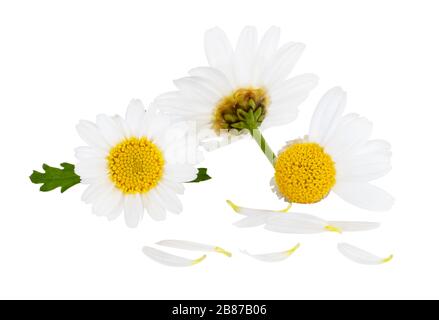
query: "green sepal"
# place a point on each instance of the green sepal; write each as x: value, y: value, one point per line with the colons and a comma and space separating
x: 238, y: 125
x: 53, y: 178
x: 252, y: 104
x: 201, y: 176
x: 242, y: 115
x: 230, y: 117
x: 258, y: 114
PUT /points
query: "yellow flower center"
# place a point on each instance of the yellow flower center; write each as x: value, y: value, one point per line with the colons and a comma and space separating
x: 304, y: 173
x: 135, y: 165
x: 244, y: 108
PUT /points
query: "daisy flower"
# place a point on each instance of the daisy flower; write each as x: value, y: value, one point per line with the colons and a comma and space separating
x: 129, y: 165
x: 243, y: 88
x: 336, y: 155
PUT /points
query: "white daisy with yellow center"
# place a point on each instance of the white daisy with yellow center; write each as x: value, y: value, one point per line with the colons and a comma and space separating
x: 246, y: 87
x: 129, y: 165
x: 337, y: 155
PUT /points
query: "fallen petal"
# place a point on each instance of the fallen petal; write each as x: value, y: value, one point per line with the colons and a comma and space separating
x: 251, y: 211
x: 249, y: 222
x: 361, y: 256
x: 298, y: 223
x: 170, y: 259
x: 193, y: 246
x: 352, y: 226
x: 274, y: 256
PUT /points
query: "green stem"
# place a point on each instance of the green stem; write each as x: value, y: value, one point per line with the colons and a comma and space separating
x: 262, y: 143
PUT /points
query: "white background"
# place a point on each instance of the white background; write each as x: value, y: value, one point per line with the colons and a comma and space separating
x: 61, y: 61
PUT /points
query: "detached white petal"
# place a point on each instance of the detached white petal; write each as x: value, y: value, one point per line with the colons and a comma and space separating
x: 255, y: 212
x: 170, y: 259
x: 360, y: 256
x: 251, y: 211
x: 254, y: 217
x: 352, y: 226
x: 299, y: 223
x: 193, y: 246
x: 251, y: 221
x: 274, y: 256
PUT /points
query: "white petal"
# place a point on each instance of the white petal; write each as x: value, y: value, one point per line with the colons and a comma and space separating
x: 269, y: 43
x: 364, y: 195
x: 180, y: 172
x: 254, y: 212
x: 108, y: 202
x: 279, y: 117
x: 298, y: 223
x: 91, y: 169
x: 169, y: 199
x: 110, y: 129
x: 363, y: 159
x: 155, y: 127
x: 327, y: 114
x: 91, y: 135
x: 83, y: 153
x: 274, y: 256
x: 87, y: 195
x: 368, y: 162
x: 194, y: 87
x: 93, y: 191
x: 216, y: 79
x: 117, y: 210
x: 193, y: 246
x: 353, y: 226
x: 176, y: 186
x: 282, y: 64
x: 374, y: 147
x: 265, y: 52
x: 204, y: 89
x: 123, y: 126
x: 153, y: 206
x: 170, y: 259
x: 360, y: 256
x: 285, y: 109
x: 352, y: 133
x: 297, y: 86
x: 219, y: 51
x: 134, y: 115
x: 178, y: 103
x: 251, y: 221
x: 254, y: 217
x: 244, y: 55
x: 133, y: 209
x: 362, y: 173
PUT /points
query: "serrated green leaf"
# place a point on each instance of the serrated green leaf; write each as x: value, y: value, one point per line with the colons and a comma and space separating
x: 201, y: 176
x: 53, y: 178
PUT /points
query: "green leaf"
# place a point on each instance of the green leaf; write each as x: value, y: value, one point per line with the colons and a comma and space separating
x: 53, y: 178
x: 201, y: 176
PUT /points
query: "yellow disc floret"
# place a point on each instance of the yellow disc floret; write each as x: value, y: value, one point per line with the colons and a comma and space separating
x: 304, y: 173
x: 135, y: 165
